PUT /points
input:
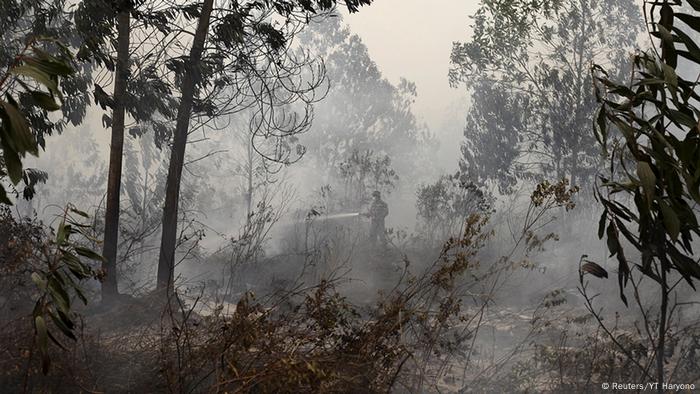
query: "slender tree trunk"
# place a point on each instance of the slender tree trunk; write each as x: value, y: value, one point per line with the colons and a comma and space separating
x: 109, y: 250
x: 580, y: 71
x: 249, y: 193
x: 144, y: 206
x: 166, y: 262
x: 661, y: 347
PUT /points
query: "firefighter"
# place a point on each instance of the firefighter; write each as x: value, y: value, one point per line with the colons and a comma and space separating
x: 378, y: 210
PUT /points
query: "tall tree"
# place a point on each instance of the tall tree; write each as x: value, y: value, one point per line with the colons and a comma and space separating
x: 533, y: 58
x: 238, y: 27
x: 252, y: 167
x: 166, y: 262
x: 106, y: 30
x: 116, y: 151
x: 362, y: 110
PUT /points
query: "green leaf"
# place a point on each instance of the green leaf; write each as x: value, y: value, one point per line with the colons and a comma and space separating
x: 671, y: 78
x: 692, y: 21
x: 648, y: 179
x: 77, y: 267
x: 39, y: 76
x: 39, y: 281
x: 79, y: 212
x: 20, y: 136
x: 602, y: 129
x: 685, y: 265
x: 695, y: 4
x: 627, y: 130
x: 631, y: 238
x: 693, y: 49
x: 13, y: 163
x: 594, y: 269
x: 45, y: 101
x: 42, y: 337
x: 77, y: 289
x: 56, y: 341
x: 671, y: 221
x: 63, y: 326
x: 85, y: 252
x: 613, y: 242
x: 669, y: 49
x: 681, y: 118
x: 59, y: 295
x: 62, y: 234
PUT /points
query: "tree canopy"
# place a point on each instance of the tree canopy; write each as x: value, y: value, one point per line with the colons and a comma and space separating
x: 527, y: 66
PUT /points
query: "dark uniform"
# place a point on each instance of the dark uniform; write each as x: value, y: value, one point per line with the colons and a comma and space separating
x: 377, y: 212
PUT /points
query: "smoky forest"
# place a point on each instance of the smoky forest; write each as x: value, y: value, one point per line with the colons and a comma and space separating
x: 358, y: 196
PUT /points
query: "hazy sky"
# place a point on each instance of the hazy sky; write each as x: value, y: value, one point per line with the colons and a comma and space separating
x: 413, y: 39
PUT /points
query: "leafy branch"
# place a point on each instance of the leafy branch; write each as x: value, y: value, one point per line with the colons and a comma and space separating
x: 34, y: 73
x: 654, y: 160
x: 61, y: 277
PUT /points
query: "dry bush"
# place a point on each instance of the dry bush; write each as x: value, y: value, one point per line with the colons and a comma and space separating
x: 305, y: 339
x: 323, y: 343
x: 566, y: 350
x: 410, y: 340
x: 20, y: 242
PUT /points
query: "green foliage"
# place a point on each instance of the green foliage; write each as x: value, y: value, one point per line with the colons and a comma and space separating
x: 250, y: 64
x: 527, y: 67
x: 494, y: 125
x: 35, y: 74
x: 149, y: 92
x: 444, y: 206
x: 649, y: 127
x: 59, y: 279
x: 503, y: 31
x: 22, y: 22
x: 41, y: 274
x: 364, y: 172
x: 362, y: 110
